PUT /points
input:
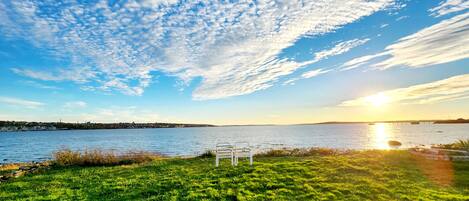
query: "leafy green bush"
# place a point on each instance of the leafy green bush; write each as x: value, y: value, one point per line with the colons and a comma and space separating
x: 207, y: 154
x: 96, y: 157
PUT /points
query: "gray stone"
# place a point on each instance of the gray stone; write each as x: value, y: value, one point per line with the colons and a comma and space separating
x: 18, y: 173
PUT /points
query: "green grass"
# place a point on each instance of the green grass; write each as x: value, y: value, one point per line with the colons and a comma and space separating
x: 370, y: 175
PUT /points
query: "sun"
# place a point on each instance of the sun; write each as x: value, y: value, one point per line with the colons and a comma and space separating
x: 378, y: 100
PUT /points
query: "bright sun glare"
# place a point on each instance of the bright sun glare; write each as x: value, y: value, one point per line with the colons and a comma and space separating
x: 378, y: 100
x: 380, y: 134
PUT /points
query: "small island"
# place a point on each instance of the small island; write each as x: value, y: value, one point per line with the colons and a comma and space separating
x: 457, y: 121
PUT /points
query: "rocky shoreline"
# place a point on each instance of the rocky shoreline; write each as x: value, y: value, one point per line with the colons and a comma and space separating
x: 9, y: 171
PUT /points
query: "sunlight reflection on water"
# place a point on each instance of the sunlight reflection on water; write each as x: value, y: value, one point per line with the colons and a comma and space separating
x: 380, y: 133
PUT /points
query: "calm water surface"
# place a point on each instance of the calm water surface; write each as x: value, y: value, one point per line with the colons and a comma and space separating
x: 39, y: 145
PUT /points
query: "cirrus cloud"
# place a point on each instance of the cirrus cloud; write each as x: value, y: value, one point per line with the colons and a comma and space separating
x: 233, y: 46
x: 75, y: 105
x: 449, y: 6
x: 338, y: 49
x: 443, y: 42
x: 453, y: 88
x: 20, y: 102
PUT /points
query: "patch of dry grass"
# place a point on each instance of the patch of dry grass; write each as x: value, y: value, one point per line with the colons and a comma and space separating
x: 10, y: 166
x: 96, y: 157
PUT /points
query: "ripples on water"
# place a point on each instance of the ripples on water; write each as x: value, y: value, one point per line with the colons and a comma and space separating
x: 39, y: 145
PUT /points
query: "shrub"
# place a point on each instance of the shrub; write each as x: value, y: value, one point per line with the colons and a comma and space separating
x: 96, y: 157
x: 462, y: 144
x: 207, y: 154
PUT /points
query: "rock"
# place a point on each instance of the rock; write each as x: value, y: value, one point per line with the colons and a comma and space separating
x: 394, y: 143
x: 4, y: 178
x: 24, y: 168
x: 18, y: 173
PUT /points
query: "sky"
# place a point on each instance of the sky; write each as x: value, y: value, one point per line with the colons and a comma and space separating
x: 234, y: 62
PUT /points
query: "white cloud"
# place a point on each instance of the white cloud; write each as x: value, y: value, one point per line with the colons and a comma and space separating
x: 450, y: 89
x: 75, y: 105
x: 401, y: 18
x: 291, y: 81
x: 441, y: 43
x: 79, y: 75
x: 307, y: 74
x: 39, y: 85
x: 360, y: 61
x: 449, y: 6
x: 232, y: 46
x: 20, y: 102
x: 313, y: 73
x: 109, y: 114
x: 338, y: 49
x: 120, y: 114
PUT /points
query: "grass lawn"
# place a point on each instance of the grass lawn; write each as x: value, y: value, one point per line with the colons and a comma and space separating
x: 369, y: 175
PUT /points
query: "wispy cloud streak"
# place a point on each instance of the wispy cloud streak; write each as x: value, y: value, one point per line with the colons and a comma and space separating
x: 39, y: 85
x: 449, y: 6
x: 338, y: 49
x: 453, y: 88
x: 75, y: 105
x: 443, y: 42
x: 20, y: 102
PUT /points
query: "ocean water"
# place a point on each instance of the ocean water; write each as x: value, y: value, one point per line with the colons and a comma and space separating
x: 39, y: 145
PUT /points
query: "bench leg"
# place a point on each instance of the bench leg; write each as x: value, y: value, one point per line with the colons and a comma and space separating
x: 250, y: 159
x: 216, y: 161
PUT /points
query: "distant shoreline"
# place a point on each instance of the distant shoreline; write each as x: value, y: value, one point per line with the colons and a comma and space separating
x: 448, y: 121
x: 22, y: 126
x: 19, y: 126
x: 92, y: 129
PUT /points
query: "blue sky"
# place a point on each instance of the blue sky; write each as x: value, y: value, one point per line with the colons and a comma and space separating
x: 234, y: 62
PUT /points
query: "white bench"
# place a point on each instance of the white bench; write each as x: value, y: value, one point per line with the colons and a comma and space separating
x: 224, y: 150
x: 242, y: 150
x: 233, y: 152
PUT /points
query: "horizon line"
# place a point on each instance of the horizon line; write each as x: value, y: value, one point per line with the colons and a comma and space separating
x: 265, y: 124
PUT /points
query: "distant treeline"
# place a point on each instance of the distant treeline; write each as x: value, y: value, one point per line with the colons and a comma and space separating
x: 22, y: 125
